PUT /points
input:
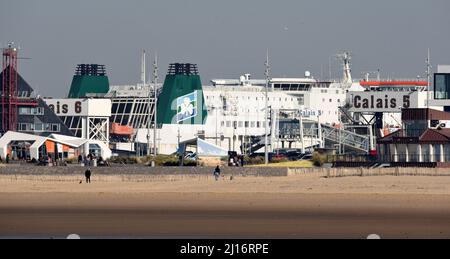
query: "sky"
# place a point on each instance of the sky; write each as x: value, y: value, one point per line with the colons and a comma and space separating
x: 225, y: 38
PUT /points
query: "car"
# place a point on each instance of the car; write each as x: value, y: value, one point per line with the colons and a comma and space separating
x: 307, y: 157
x: 294, y: 155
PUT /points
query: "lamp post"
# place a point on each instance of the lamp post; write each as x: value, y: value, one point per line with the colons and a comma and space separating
x: 155, y: 114
x: 266, y: 147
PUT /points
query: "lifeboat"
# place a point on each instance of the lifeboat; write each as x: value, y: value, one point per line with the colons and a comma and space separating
x: 117, y: 129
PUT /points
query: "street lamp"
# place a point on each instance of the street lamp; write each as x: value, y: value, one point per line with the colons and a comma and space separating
x: 266, y: 147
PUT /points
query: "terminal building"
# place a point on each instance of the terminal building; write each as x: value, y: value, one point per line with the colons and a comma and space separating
x: 424, y: 139
x: 30, y: 128
x: 442, y: 88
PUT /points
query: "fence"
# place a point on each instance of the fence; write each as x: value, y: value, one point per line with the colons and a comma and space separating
x: 362, y: 172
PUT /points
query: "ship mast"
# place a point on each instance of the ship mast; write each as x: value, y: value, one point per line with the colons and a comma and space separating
x: 347, y: 76
x: 143, y: 72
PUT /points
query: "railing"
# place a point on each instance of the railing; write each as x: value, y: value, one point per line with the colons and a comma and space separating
x: 345, y: 137
x: 403, y: 158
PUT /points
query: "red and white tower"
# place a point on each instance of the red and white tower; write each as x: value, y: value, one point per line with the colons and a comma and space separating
x: 9, y: 89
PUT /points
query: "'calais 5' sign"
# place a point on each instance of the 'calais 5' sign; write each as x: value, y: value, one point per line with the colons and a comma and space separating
x: 383, y: 101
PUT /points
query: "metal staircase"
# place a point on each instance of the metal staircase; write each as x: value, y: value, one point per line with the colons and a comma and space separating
x: 332, y: 136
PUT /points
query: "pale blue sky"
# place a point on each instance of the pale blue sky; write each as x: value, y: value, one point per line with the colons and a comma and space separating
x: 225, y: 38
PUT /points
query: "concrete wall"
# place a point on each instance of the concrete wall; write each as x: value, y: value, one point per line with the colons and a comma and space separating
x: 140, y: 170
x: 226, y: 171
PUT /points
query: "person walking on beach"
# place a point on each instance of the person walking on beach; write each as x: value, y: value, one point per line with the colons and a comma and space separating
x: 88, y: 175
x: 217, y: 173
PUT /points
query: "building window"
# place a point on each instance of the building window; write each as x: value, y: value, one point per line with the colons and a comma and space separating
x: 23, y: 126
x: 301, y: 100
x: 39, y: 127
x: 31, y: 111
x: 228, y: 124
x: 252, y: 124
x: 442, y: 86
x: 258, y: 124
x: 240, y: 124
x: 24, y: 110
x: 55, y: 127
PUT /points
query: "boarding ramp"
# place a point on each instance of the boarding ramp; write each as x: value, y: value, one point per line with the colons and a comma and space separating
x: 289, y: 130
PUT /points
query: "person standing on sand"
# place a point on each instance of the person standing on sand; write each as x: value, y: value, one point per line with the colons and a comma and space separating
x: 217, y: 173
x: 88, y: 175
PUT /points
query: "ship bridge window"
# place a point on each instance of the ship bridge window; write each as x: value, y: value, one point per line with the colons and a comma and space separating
x: 128, y: 107
x: 125, y: 119
x: 114, y: 107
x: 285, y: 86
x: 75, y: 123
x: 121, y: 108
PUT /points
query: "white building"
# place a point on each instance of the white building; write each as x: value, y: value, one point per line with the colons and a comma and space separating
x: 87, y: 118
x: 28, y: 146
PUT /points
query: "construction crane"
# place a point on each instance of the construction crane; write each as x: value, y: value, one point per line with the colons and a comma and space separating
x: 9, y: 96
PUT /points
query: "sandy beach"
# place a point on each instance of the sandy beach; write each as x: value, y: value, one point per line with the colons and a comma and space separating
x: 116, y: 206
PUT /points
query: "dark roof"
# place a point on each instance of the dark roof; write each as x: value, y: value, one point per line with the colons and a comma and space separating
x: 424, y: 114
x: 430, y: 136
x: 48, y: 117
x: 22, y: 85
x: 435, y: 135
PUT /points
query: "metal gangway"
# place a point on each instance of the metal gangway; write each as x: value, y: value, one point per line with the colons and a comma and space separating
x: 326, y: 135
x: 337, y: 136
x: 315, y: 134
